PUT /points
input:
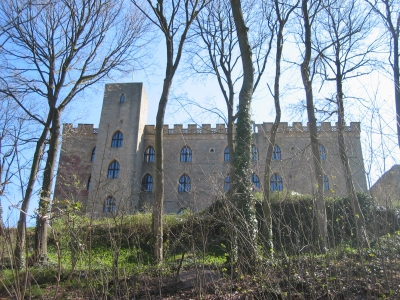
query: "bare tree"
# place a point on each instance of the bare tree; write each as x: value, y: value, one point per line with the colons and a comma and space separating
x: 217, y: 53
x: 173, y: 19
x: 309, y: 9
x: 389, y: 12
x: 282, y: 10
x: 51, y: 53
x: 344, y: 27
x: 14, y: 136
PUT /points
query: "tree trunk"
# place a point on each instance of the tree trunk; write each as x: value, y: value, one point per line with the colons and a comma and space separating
x: 158, y: 208
x: 266, y: 225
x: 45, y: 193
x: 396, y: 73
x: 246, y: 229
x: 21, y: 227
x: 362, y: 237
x: 312, y: 122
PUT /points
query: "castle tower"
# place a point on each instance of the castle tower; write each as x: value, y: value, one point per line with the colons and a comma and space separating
x: 115, y: 182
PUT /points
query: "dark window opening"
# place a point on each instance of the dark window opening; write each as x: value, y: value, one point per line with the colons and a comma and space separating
x: 184, y: 184
x: 110, y: 206
x: 186, y: 154
x: 113, y: 170
x: 149, y: 154
x: 147, y: 183
x: 117, y: 139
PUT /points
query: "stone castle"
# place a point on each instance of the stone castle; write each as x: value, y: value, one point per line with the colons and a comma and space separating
x: 110, y: 169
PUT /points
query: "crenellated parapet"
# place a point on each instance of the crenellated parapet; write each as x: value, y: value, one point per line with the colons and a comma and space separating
x: 191, y: 129
x: 299, y: 127
x: 82, y: 129
x: 178, y: 129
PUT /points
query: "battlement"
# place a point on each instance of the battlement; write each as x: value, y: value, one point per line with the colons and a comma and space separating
x: 218, y: 129
x: 69, y: 128
x: 258, y: 128
x: 299, y: 127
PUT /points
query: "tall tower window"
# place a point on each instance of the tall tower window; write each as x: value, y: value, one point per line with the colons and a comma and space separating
x: 147, y: 183
x: 254, y: 152
x: 226, y: 154
x: 93, y: 154
x: 149, y: 154
x: 186, y: 154
x: 122, y: 98
x: 113, y: 170
x: 117, y: 139
x: 322, y: 152
x: 184, y: 184
x: 326, y: 183
x: 276, y: 183
x: 88, y: 183
x: 227, y: 183
x: 276, y: 154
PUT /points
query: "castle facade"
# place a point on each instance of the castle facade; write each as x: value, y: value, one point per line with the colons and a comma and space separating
x: 110, y: 169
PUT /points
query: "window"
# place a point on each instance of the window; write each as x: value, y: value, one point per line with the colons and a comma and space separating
x: 326, y: 183
x: 227, y: 183
x: 322, y: 152
x: 276, y: 183
x: 254, y: 152
x: 117, y: 139
x: 184, y: 184
x: 88, y: 183
x: 147, y: 183
x: 256, y: 182
x: 110, y: 206
x: 113, y: 170
x: 149, y: 154
x: 186, y: 154
x: 276, y: 154
x: 93, y: 153
x: 122, y: 98
x: 226, y: 154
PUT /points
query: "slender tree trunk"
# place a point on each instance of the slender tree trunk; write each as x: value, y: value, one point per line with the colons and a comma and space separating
x: 21, y: 227
x: 45, y: 193
x: 245, y: 214
x: 158, y: 208
x: 312, y: 122
x: 362, y: 238
x: 266, y: 227
x: 396, y: 73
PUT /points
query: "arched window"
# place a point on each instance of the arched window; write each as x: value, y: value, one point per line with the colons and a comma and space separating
x: 186, y: 154
x: 254, y: 152
x: 88, y: 183
x: 184, y: 184
x: 226, y: 154
x: 322, y: 152
x: 276, y: 183
x: 93, y: 153
x: 122, y: 98
x: 255, y: 180
x: 110, y: 205
x: 147, y: 183
x: 149, y: 154
x: 227, y: 183
x: 117, y: 139
x: 326, y: 183
x: 276, y: 154
x: 113, y: 170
